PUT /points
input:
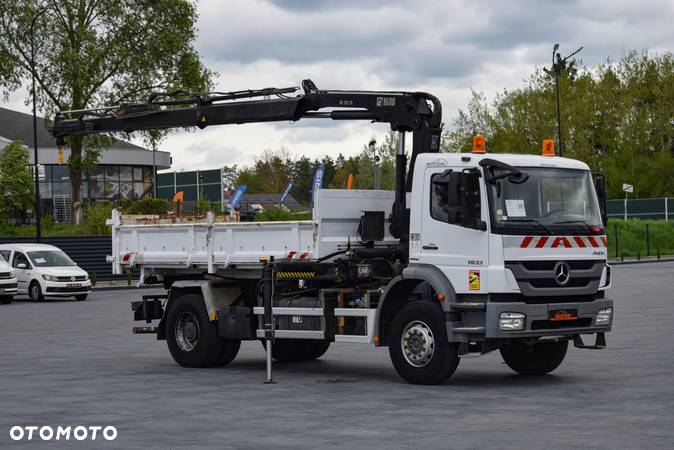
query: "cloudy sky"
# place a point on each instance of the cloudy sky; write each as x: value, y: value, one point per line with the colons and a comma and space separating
x: 445, y: 47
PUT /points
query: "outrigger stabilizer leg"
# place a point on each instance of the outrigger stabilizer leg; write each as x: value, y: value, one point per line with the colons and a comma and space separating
x: 267, y: 293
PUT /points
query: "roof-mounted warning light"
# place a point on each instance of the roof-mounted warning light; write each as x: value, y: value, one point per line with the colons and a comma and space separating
x: 548, y: 147
x: 478, y: 144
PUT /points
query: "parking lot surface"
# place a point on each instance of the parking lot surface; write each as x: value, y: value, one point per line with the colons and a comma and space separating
x: 76, y: 363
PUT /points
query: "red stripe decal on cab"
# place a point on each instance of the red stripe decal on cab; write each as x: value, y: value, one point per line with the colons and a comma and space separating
x: 604, y: 241
x: 526, y: 241
x: 579, y: 240
x: 561, y: 240
x: 541, y: 242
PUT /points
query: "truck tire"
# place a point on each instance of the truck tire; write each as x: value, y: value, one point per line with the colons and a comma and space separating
x: 537, y: 359
x: 418, y: 344
x: 288, y: 350
x: 192, y: 339
x: 6, y: 299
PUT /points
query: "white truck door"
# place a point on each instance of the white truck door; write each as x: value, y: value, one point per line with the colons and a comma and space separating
x: 460, y: 251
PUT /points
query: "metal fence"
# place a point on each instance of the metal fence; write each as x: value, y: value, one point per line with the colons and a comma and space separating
x: 642, y: 208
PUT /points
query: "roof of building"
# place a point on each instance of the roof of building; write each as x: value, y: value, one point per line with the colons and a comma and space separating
x: 15, y: 125
x: 270, y: 201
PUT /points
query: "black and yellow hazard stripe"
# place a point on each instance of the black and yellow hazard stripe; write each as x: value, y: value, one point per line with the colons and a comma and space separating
x: 295, y: 275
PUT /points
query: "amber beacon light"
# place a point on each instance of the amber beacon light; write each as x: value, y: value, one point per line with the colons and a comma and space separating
x: 548, y: 147
x: 478, y: 144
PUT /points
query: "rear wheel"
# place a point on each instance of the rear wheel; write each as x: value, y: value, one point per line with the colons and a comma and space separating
x: 6, y: 299
x: 418, y: 344
x: 537, y: 359
x: 193, y: 339
x: 286, y: 350
x: 35, y: 292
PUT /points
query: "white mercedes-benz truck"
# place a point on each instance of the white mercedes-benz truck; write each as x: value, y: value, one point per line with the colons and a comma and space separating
x: 472, y: 252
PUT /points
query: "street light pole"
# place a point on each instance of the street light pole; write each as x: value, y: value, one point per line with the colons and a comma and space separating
x: 557, y: 67
x: 38, y: 206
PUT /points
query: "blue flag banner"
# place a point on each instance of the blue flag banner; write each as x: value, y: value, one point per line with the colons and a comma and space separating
x: 318, y: 180
x: 236, y: 197
x: 285, y: 192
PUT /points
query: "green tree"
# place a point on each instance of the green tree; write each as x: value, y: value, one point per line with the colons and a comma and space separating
x: 16, y: 182
x: 92, y: 52
x: 618, y: 117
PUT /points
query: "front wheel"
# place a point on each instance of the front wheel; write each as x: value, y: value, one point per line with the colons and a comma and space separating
x: 193, y: 339
x: 418, y: 344
x: 81, y: 298
x: 537, y: 359
x: 35, y: 292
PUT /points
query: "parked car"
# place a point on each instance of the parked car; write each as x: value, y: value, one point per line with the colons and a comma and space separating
x: 45, y: 271
x: 7, y: 281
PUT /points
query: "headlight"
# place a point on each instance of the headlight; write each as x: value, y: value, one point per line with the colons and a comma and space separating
x: 511, y: 321
x: 86, y: 277
x: 50, y: 277
x: 11, y: 274
x: 604, y: 317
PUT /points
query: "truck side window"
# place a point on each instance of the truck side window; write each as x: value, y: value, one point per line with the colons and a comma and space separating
x: 440, y: 197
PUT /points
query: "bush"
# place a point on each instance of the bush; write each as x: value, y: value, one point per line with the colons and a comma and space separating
x: 632, y: 238
x: 280, y: 215
x: 95, y: 217
x: 145, y: 206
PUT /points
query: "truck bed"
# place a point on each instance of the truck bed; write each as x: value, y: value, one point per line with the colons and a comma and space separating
x: 210, y: 242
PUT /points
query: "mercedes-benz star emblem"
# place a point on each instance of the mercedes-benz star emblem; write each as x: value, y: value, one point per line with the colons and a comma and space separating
x: 562, y: 273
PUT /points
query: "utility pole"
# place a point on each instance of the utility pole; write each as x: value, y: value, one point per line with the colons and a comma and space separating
x: 38, y: 206
x: 557, y: 68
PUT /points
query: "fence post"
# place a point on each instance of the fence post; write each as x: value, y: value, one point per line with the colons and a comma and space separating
x: 666, y: 210
x: 616, y: 241
x: 648, y: 241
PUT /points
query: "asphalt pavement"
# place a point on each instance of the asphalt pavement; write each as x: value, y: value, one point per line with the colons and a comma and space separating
x: 76, y: 363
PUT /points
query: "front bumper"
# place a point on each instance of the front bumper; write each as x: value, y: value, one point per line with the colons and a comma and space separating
x: 537, y: 321
x: 8, y: 287
x: 61, y: 289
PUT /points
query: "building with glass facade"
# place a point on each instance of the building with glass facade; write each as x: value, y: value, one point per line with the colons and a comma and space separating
x: 125, y: 170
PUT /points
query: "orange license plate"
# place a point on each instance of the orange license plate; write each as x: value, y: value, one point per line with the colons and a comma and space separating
x: 563, y: 314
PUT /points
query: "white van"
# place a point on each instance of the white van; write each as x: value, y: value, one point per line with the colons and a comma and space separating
x: 7, y: 281
x: 45, y: 271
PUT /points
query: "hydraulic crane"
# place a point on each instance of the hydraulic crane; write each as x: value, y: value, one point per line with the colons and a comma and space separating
x: 416, y: 112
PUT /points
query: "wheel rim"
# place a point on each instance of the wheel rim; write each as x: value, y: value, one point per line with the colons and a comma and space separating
x: 417, y: 343
x: 187, y: 331
x: 35, y: 292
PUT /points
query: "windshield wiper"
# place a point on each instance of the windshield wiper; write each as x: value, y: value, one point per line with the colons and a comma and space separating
x: 534, y: 221
x: 581, y: 223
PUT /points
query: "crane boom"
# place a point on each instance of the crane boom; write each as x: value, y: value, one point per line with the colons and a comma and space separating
x: 416, y: 112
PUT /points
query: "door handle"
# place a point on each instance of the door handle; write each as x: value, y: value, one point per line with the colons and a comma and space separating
x: 430, y: 247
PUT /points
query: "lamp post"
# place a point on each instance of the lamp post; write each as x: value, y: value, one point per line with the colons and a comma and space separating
x: 38, y: 206
x: 375, y: 159
x: 557, y: 67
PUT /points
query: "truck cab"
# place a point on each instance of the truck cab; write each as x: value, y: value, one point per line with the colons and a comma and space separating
x: 522, y: 234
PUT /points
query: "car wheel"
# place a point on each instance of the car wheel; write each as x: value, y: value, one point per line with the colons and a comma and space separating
x: 35, y: 292
x: 418, y: 344
x: 81, y: 298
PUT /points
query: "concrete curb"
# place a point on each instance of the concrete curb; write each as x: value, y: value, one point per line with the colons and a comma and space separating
x: 125, y: 287
x: 641, y: 261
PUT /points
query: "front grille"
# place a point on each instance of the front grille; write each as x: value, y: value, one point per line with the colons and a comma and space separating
x: 4, y: 275
x: 70, y: 278
x: 512, y: 298
x: 537, y: 278
x: 583, y: 264
x: 552, y: 325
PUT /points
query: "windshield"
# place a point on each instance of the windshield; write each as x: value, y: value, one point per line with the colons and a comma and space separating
x: 550, y: 201
x: 50, y: 258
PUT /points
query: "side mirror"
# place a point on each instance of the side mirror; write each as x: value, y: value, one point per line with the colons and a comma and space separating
x: 600, y: 187
x: 21, y: 266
